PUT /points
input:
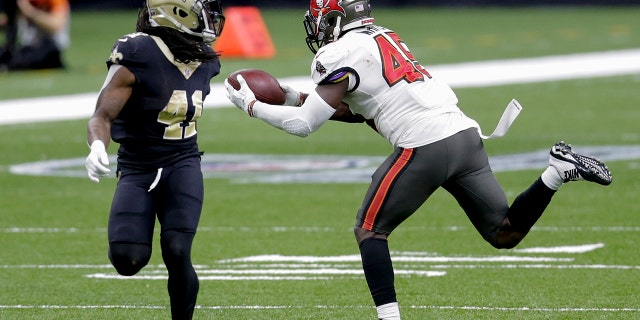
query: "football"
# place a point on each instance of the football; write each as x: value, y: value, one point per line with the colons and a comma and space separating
x: 265, y: 86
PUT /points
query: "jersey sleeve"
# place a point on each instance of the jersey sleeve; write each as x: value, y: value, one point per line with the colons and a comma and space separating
x: 129, y: 50
x: 330, y: 65
x: 334, y: 64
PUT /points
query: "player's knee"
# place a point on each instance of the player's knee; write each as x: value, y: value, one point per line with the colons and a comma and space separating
x: 362, y: 234
x: 503, y: 245
x: 507, y: 239
x: 129, y: 258
x: 176, y: 245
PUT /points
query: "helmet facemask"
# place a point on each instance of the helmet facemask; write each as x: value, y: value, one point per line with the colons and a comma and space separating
x: 212, y: 20
x: 315, y: 33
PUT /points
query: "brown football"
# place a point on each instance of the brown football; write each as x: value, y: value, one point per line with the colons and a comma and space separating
x: 265, y: 86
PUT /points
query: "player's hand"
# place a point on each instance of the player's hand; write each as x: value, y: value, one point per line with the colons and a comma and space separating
x: 243, y: 98
x: 292, y: 97
x: 97, y: 162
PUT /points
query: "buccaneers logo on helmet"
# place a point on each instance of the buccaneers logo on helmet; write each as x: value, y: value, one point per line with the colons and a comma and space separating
x: 323, y: 7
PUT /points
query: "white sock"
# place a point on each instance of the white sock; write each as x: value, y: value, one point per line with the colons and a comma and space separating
x: 389, y: 311
x: 551, y: 178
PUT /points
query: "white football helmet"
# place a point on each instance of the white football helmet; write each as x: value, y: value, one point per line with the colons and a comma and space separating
x: 200, y: 18
x: 327, y: 19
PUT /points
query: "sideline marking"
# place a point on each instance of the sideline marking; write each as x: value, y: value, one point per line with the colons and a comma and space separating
x: 461, y: 75
x: 266, y: 168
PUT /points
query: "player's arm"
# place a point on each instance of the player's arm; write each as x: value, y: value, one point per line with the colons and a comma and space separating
x: 333, y: 93
x: 343, y: 113
x: 301, y: 121
x: 115, y: 92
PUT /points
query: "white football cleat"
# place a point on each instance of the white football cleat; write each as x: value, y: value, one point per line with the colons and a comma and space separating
x: 575, y: 167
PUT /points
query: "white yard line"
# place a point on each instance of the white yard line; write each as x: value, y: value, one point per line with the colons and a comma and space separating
x: 470, y: 74
x: 257, y: 307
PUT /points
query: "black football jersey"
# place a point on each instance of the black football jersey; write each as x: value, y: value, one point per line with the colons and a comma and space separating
x: 158, y: 124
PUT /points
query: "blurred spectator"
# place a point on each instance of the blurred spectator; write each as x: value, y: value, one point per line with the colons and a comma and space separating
x: 37, y: 33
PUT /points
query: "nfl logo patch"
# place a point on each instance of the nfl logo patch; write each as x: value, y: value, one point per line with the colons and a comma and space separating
x: 359, y: 7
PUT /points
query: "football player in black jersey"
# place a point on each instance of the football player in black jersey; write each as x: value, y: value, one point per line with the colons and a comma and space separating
x: 149, y: 104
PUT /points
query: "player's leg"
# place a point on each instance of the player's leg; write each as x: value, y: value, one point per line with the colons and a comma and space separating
x: 564, y: 166
x: 483, y: 200
x: 180, y: 194
x: 378, y: 271
x: 183, y: 285
x: 131, y: 223
x: 399, y: 187
x: 479, y: 194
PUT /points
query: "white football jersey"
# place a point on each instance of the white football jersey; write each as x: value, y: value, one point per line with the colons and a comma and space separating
x: 410, y: 108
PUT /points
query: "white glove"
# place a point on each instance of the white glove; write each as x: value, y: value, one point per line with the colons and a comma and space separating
x: 97, y: 162
x: 243, y: 98
x: 292, y: 97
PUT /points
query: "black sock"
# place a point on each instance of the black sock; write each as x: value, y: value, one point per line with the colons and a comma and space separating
x: 183, y: 284
x: 529, y: 206
x: 378, y: 270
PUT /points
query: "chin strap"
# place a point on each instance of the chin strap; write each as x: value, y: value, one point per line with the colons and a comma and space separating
x: 337, y: 30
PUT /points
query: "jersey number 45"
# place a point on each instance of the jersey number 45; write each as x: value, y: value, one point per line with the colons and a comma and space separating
x: 398, y: 62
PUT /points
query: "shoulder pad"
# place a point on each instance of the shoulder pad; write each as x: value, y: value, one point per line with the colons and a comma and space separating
x: 327, y: 61
x: 131, y: 49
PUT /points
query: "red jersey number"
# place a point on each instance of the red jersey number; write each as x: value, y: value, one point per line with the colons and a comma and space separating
x: 398, y: 62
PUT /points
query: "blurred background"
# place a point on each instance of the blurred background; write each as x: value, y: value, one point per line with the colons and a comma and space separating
x: 378, y: 3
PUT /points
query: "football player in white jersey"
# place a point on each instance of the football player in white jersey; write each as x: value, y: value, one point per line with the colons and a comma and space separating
x: 364, y: 71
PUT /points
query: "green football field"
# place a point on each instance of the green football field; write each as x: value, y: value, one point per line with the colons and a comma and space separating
x: 275, y: 239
